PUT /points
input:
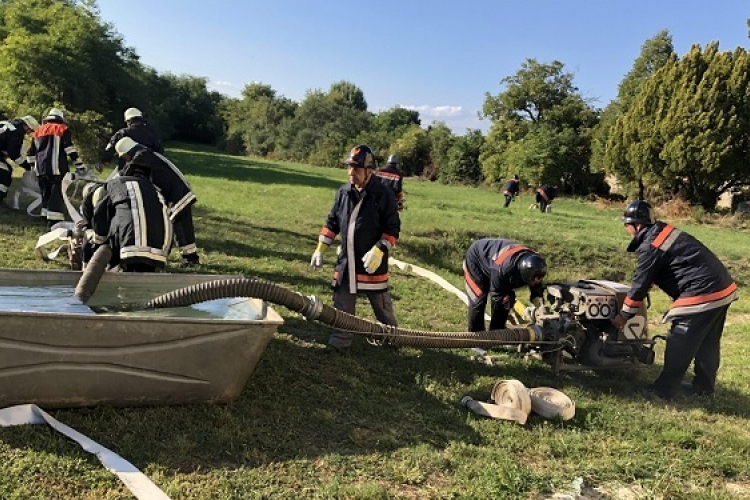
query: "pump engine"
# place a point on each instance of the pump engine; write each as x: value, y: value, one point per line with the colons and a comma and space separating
x: 577, y: 331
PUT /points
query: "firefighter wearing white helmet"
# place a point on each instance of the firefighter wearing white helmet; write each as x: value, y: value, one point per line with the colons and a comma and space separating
x: 12, y: 134
x: 173, y: 186
x: 50, y: 151
x: 137, y: 129
x: 390, y: 175
x: 131, y: 113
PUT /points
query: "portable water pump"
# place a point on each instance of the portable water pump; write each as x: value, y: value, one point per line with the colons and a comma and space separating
x: 578, y: 333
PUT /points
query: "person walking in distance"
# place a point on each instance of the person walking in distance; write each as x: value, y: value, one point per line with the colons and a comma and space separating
x: 510, y: 190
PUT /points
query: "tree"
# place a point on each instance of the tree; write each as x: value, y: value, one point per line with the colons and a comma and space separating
x: 441, y: 139
x: 688, y: 126
x: 413, y: 148
x: 541, y: 121
x: 655, y: 53
x: 325, y: 125
x: 60, y: 51
x: 463, y: 159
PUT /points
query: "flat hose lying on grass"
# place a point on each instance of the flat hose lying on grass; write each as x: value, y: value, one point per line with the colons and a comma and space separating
x: 313, y: 309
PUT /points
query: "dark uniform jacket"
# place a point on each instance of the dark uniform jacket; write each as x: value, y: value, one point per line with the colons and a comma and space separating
x: 167, y: 178
x: 363, y: 219
x: 547, y: 192
x: 140, y: 132
x: 131, y: 215
x: 511, y: 187
x: 391, y: 177
x: 12, y: 134
x: 51, y: 147
x: 491, y: 266
x: 682, y: 267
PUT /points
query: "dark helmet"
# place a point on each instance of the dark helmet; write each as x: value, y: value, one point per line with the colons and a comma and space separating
x: 639, y: 212
x: 531, y: 266
x: 361, y: 156
x: 393, y: 160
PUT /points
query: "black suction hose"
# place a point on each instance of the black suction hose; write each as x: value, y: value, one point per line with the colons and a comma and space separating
x: 312, y: 309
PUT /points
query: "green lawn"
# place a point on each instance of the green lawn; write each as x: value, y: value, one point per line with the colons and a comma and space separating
x: 381, y: 424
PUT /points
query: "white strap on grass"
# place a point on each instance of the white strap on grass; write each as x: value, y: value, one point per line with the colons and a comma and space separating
x: 135, y: 480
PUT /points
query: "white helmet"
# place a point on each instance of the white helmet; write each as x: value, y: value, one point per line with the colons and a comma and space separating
x: 131, y: 113
x: 30, y: 122
x: 125, y: 146
x: 55, y: 113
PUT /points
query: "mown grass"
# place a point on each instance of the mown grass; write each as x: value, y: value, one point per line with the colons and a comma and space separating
x: 381, y: 424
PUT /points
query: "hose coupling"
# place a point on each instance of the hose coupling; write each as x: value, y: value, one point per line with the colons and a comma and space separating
x: 313, y: 309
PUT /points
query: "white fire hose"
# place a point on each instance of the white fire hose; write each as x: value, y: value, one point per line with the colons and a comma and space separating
x: 511, y: 400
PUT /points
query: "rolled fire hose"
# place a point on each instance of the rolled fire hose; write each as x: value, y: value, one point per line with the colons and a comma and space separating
x: 513, y: 401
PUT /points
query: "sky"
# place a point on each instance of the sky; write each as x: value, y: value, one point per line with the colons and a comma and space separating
x: 439, y: 57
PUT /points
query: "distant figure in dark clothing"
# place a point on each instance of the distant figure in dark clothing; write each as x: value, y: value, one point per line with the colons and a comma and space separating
x: 510, y: 190
x: 390, y: 175
x: 544, y: 197
x: 137, y: 129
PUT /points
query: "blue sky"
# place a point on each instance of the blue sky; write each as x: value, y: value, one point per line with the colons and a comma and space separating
x: 437, y: 56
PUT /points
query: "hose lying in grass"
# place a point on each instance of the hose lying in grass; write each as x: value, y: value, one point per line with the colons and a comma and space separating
x: 313, y: 309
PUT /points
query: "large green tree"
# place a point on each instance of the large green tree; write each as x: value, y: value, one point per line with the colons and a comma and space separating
x: 541, y: 128
x: 689, y: 125
x: 655, y: 53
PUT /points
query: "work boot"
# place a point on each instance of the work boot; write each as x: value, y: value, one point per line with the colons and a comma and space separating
x: 652, y: 390
x: 190, y: 260
x: 690, y: 389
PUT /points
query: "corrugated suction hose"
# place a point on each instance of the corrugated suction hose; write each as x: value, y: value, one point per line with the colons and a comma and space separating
x: 313, y: 309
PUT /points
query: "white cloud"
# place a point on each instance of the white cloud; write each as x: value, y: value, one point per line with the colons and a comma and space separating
x: 229, y: 88
x: 437, y: 112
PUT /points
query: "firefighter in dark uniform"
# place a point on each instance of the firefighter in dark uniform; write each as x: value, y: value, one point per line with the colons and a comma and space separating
x: 12, y: 134
x: 510, y: 190
x: 494, y: 268
x: 137, y: 129
x: 176, y: 191
x: 390, y: 175
x: 131, y: 216
x: 50, y: 150
x: 701, y: 289
x: 90, y: 196
x: 365, y: 215
x: 544, y: 196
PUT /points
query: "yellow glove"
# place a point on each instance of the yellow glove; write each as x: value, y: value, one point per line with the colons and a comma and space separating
x: 316, y: 262
x: 372, y: 259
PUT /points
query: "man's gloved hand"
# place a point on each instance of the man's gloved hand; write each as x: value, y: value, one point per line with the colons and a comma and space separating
x: 316, y: 262
x: 372, y: 259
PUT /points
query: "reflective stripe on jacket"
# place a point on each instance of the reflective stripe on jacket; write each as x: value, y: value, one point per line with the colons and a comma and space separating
x: 682, y: 267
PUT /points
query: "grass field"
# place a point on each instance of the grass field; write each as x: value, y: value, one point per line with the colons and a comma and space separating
x: 382, y: 424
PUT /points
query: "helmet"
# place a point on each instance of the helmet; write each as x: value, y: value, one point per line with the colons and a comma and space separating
x: 639, y: 212
x: 131, y: 113
x: 55, y: 113
x: 532, y: 266
x: 393, y: 160
x: 125, y: 146
x: 361, y: 156
x: 30, y: 122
